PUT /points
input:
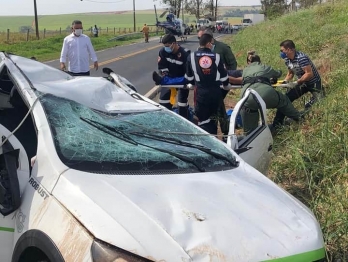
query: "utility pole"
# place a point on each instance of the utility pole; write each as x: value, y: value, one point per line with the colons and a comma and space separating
x: 36, y: 22
x: 135, y: 26
x: 216, y: 9
x: 182, y: 9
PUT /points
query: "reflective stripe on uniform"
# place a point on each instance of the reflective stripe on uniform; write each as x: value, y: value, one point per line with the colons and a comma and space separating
x: 224, y: 79
x: 217, y: 61
x: 163, y: 101
x: 204, y: 122
x: 189, y: 78
x: 173, y: 61
x: 182, y: 104
x: 194, y: 67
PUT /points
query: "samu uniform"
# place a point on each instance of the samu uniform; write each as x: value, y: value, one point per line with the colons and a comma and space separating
x: 174, y: 68
x: 206, y: 70
x: 257, y: 77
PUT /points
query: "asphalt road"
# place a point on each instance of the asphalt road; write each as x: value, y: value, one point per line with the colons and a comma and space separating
x: 136, y: 62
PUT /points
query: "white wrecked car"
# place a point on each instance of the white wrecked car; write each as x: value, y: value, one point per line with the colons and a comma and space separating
x: 119, y: 178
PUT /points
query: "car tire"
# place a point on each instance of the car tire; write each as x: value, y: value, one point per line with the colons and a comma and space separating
x: 38, y: 245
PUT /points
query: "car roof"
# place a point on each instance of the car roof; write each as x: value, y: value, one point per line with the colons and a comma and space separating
x: 94, y: 92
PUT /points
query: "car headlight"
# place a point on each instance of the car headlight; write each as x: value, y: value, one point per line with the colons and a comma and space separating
x: 103, y: 252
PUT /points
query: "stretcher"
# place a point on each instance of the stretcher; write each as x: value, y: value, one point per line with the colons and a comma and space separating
x: 173, y: 89
x: 173, y: 93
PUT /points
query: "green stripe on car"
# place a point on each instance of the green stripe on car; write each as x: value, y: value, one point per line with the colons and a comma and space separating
x: 7, y: 229
x: 303, y: 257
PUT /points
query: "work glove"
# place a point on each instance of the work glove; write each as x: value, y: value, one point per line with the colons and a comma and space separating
x: 292, y: 84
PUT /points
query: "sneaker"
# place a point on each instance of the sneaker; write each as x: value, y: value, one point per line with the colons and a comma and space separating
x: 316, y: 96
x: 156, y: 77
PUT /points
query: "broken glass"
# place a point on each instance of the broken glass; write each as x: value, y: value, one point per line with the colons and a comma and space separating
x: 111, y: 144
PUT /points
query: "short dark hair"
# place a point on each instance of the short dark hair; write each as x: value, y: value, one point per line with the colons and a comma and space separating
x: 288, y: 44
x: 205, y: 39
x: 253, y: 57
x: 76, y: 22
x: 206, y: 30
x: 168, y: 39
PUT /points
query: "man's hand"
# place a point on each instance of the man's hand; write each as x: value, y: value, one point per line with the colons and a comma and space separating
x: 62, y: 66
x: 96, y: 66
x: 292, y: 84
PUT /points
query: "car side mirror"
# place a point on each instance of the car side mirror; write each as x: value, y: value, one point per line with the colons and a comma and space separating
x: 10, y: 198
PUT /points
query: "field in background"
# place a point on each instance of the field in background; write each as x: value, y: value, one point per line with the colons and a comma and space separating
x: 310, y: 159
x: 118, y: 19
x: 50, y: 48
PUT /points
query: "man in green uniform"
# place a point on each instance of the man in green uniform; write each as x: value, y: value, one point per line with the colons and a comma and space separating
x: 257, y: 77
x: 225, y: 52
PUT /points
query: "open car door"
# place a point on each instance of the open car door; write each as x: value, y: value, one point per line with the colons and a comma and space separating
x: 255, y: 148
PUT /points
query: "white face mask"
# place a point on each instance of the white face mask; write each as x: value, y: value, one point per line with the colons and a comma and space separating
x: 78, y: 32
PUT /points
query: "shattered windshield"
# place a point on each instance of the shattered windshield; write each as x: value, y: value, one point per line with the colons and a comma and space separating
x: 138, y: 143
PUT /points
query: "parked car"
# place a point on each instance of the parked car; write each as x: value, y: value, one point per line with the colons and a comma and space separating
x: 236, y: 27
x: 117, y: 177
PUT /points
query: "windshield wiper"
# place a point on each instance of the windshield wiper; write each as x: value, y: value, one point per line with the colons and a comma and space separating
x: 128, y: 139
x: 110, y: 130
x: 181, y: 157
x: 186, y: 144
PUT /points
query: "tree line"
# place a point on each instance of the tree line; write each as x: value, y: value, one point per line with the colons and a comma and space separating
x: 270, y: 8
x: 275, y: 8
x: 197, y: 8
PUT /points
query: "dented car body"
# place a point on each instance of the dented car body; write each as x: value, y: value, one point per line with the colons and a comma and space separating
x: 117, y: 177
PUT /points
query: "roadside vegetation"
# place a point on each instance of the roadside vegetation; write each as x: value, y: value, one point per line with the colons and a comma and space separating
x: 311, y: 160
x: 50, y: 48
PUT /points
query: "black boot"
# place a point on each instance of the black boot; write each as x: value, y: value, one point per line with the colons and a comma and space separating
x: 156, y: 77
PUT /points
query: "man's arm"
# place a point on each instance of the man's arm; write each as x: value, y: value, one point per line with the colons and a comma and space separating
x: 222, y: 71
x: 306, y: 67
x: 63, y: 55
x: 229, y: 58
x: 162, y: 64
x: 189, y: 72
x: 290, y: 75
x: 92, y: 54
x: 235, y: 80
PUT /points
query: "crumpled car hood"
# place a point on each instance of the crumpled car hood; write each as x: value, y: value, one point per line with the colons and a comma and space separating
x: 235, y: 215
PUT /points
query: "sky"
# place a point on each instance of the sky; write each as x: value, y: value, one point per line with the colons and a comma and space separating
x: 51, y: 7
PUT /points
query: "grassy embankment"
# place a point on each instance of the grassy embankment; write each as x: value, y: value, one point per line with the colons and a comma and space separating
x: 311, y: 160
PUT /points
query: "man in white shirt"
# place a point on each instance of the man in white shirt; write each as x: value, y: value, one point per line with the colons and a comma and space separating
x: 77, y: 49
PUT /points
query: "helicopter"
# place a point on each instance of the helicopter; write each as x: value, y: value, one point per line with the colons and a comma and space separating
x: 172, y: 25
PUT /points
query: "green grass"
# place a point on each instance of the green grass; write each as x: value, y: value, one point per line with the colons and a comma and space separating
x: 311, y: 160
x: 50, y: 48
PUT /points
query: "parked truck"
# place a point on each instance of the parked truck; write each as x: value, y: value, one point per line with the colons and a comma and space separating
x: 252, y: 19
x: 207, y: 21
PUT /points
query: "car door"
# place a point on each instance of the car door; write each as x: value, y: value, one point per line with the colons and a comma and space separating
x: 14, y: 175
x: 255, y: 148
